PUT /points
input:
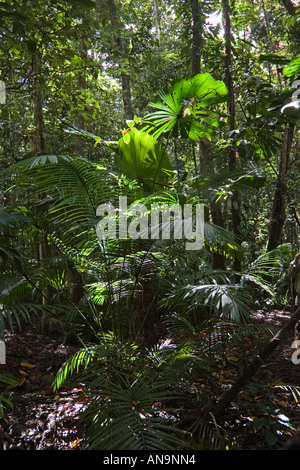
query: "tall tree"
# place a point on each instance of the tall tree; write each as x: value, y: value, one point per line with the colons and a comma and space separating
x: 235, y: 201
x: 157, y: 19
x: 278, y: 215
x: 213, y: 208
x: 119, y: 44
x: 206, y: 158
x: 39, y: 148
x: 79, y: 142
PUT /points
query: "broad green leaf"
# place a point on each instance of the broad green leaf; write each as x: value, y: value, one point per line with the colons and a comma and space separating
x: 183, y: 111
x: 293, y: 68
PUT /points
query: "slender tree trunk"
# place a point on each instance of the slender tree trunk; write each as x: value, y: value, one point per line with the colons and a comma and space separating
x: 73, y: 276
x: 196, y: 55
x: 125, y: 79
x: 278, y: 216
x: 75, y: 283
x: 206, y: 164
x: 235, y: 200
x: 197, y: 37
x: 271, y: 42
x: 157, y: 19
x: 126, y: 92
x: 79, y: 141
x: 45, y: 251
x: 214, y: 207
x: 39, y: 143
x: 38, y: 147
x: 290, y: 7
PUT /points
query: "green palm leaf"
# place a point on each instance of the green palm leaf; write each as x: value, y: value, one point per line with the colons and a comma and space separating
x: 183, y: 110
x: 143, y: 159
x: 127, y: 398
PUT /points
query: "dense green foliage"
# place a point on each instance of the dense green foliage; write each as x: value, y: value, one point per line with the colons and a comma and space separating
x: 103, y: 100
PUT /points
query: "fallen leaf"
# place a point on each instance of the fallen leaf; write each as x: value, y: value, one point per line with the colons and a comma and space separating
x: 233, y: 358
x: 74, y: 443
x: 21, y: 381
x: 250, y: 418
x: 282, y: 403
x: 27, y: 364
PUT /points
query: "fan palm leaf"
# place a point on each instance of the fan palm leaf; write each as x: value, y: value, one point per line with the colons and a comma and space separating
x: 143, y: 159
x: 183, y: 110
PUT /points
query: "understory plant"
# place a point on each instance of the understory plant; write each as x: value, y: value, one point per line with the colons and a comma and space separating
x: 131, y: 397
x: 145, y: 311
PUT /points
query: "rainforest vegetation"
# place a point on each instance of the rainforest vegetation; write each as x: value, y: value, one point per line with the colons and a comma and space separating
x: 139, y: 341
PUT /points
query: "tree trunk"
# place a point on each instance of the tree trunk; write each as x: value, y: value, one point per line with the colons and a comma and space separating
x: 271, y: 42
x: 75, y: 283
x: 290, y: 7
x: 279, y: 204
x: 126, y: 92
x: 235, y: 200
x: 197, y: 37
x: 207, y: 167
x: 39, y: 143
x: 79, y: 141
x: 157, y: 19
x: 38, y: 147
x: 206, y: 164
x: 125, y: 79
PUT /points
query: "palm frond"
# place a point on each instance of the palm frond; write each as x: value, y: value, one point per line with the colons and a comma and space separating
x: 123, y: 414
x: 68, y: 189
x: 144, y: 160
x: 229, y: 301
x: 183, y: 110
x: 127, y: 397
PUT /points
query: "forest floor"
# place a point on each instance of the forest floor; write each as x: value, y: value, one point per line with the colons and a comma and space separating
x: 42, y: 419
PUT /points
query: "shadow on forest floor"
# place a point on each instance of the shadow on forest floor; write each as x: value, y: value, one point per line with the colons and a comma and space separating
x: 44, y: 420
